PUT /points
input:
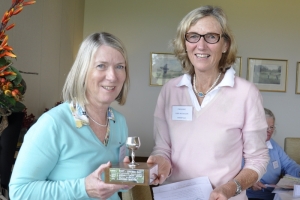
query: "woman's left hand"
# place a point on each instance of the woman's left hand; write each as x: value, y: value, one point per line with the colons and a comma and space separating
x: 97, y: 188
x: 164, y: 168
x: 217, y: 194
x: 258, y: 186
x: 222, y: 192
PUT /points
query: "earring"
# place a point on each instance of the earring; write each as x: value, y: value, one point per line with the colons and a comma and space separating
x: 224, y: 51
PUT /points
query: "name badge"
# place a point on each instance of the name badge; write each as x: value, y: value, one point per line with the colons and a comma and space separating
x: 275, y: 165
x: 182, y: 113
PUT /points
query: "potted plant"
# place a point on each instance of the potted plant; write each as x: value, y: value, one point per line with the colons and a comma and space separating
x: 12, y: 89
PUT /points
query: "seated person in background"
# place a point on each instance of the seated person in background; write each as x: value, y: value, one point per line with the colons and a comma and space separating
x: 280, y: 163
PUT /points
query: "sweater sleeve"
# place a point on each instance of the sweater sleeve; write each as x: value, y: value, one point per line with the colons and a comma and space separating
x: 37, y: 158
x: 288, y: 165
x: 161, y: 130
x: 256, y: 153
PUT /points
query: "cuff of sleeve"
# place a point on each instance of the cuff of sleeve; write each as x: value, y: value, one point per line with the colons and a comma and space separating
x: 83, y: 194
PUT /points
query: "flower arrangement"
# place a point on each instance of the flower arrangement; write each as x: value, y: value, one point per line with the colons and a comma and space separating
x: 12, y: 85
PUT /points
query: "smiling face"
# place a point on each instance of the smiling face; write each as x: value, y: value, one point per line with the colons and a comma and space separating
x: 205, y: 56
x: 271, y: 127
x: 106, y: 76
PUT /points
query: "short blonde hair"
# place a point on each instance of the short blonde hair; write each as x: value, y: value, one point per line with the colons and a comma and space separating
x: 191, y: 19
x: 75, y: 85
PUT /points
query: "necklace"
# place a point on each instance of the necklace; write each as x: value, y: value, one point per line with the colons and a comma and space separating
x: 103, y: 125
x: 201, y: 94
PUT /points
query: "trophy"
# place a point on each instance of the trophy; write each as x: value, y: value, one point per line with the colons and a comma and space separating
x: 132, y: 173
x: 133, y: 143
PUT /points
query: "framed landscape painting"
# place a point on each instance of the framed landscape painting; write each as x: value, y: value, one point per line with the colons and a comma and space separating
x: 237, y: 66
x: 163, y: 67
x: 298, y: 78
x: 268, y: 74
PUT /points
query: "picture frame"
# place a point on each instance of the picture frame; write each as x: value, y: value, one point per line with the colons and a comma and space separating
x: 237, y: 66
x: 163, y: 67
x: 298, y: 78
x: 268, y: 75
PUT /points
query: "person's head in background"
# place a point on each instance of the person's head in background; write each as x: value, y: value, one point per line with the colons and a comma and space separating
x: 270, y: 117
x: 180, y: 43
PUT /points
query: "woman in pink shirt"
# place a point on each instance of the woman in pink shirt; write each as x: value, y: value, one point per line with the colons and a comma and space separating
x: 207, y: 120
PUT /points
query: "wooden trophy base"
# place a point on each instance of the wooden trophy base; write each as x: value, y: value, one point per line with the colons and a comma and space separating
x: 122, y: 173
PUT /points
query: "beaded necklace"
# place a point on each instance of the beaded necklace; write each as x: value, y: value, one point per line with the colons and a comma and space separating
x: 201, y: 94
x: 103, y: 125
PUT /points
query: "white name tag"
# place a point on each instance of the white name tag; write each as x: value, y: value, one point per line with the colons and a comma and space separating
x: 182, y: 113
x: 275, y: 165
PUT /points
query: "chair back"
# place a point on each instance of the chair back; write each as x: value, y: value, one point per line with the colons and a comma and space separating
x: 292, y: 148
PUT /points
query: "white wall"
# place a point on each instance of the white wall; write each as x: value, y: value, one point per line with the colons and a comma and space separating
x: 47, y: 36
x: 263, y: 29
x: 45, y: 39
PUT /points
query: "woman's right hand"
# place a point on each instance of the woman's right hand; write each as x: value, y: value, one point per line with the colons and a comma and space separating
x: 97, y: 188
x: 164, y: 168
x: 258, y: 186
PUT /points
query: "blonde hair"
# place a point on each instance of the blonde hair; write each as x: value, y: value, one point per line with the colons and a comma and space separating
x: 75, y: 85
x: 191, y: 19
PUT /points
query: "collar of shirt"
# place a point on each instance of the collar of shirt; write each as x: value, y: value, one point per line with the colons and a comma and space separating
x: 228, y: 80
x: 80, y: 116
x: 269, y: 144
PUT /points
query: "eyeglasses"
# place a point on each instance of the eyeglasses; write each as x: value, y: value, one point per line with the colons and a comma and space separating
x: 210, y: 38
x: 271, y: 128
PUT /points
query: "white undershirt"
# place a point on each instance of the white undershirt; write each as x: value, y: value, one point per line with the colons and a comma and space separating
x: 228, y: 80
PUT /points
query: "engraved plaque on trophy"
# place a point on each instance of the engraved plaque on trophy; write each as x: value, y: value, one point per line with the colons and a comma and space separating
x: 132, y: 173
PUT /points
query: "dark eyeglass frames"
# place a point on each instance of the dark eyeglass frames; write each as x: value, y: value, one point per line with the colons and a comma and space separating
x: 210, y: 38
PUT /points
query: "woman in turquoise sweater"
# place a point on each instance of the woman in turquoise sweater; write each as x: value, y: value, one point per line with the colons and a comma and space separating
x: 66, y: 151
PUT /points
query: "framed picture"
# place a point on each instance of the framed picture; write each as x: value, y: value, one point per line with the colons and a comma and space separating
x: 163, y: 67
x: 268, y: 74
x: 237, y: 66
x: 298, y: 79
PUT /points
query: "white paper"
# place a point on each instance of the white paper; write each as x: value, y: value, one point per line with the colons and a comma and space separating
x: 193, y: 189
x: 288, y: 182
x: 296, y: 191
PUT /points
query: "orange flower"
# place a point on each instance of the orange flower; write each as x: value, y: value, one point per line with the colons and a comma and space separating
x: 11, y: 12
x: 5, y: 16
x: 10, y: 27
x: 5, y: 73
x: 2, y: 35
x: 10, y: 54
x: 28, y: 3
x: 3, y: 68
x: 8, y: 48
x: 7, y: 93
x: 4, y: 41
x: 18, y: 10
x: 11, y: 82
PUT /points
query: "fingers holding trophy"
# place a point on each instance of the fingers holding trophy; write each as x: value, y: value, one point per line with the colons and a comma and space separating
x: 132, y: 173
